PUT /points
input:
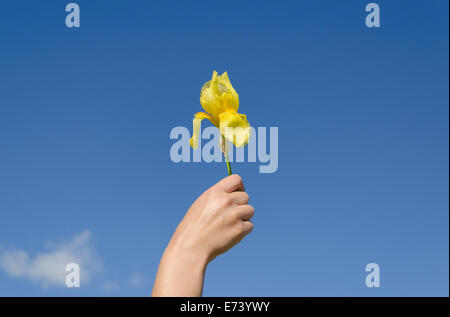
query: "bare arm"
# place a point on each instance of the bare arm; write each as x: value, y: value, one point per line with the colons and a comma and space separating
x: 216, y: 221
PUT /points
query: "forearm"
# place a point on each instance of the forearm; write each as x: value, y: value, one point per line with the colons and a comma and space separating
x: 180, y: 273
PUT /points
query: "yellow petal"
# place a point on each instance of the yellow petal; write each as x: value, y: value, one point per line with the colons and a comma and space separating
x: 215, y: 82
x: 198, y: 117
x: 233, y: 95
x: 210, y: 100
x: 218, y: 95
x: 235, y: 127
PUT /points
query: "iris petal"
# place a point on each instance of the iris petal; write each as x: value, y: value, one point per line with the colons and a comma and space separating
x: 235, y: 127
x: 232, y: 100
x: 218, y: 95
x: 198, y: 117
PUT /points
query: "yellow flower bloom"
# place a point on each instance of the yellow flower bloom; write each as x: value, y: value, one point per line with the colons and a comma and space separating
x: 221, y: 103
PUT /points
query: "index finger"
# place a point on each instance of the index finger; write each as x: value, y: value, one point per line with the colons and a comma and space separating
x: 232, y: 183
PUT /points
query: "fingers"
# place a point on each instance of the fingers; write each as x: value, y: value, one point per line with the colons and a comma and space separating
x: 231, y: 183
x: 248, y: 227
x: 245, y: 212
x: 240, y: 198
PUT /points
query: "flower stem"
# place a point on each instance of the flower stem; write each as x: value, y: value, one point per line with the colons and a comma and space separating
x: 228, y: 165
x: 225, y: 154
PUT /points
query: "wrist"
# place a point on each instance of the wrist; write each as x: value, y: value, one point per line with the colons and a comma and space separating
x: 187, y: 255
x: 181, y: 272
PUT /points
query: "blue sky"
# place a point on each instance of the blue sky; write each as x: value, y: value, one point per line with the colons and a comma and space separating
x: 85, y: 118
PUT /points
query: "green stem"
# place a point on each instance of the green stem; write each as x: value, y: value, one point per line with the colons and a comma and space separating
x: 226, y: 156
x: 228, y: 165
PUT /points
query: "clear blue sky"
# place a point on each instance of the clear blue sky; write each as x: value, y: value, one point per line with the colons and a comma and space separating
x: 85, y: 117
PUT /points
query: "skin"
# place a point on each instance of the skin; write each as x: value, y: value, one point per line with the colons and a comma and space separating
x: 218, y: 220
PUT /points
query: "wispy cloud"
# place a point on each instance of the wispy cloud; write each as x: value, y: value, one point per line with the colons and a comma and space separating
x: 48, y: 268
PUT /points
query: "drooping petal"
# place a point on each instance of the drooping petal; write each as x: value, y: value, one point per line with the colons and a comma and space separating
x: 235, y: 127
x: 198, y: 117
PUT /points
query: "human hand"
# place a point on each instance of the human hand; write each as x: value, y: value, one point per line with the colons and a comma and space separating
x: 216, y: 221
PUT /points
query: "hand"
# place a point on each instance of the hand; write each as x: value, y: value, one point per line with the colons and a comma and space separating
x: 216, y: 221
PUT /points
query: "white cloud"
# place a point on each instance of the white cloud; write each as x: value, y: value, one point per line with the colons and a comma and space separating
x: 137, y: 280
x: 48, y: 268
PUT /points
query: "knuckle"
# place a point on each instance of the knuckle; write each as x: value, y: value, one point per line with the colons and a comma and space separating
x: 241, y: 198
x: 236, y: 215
x: 225, y: 201
x: 237, y: 177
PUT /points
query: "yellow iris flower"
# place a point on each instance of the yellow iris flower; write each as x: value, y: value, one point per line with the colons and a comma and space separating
x: 221, y: 103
